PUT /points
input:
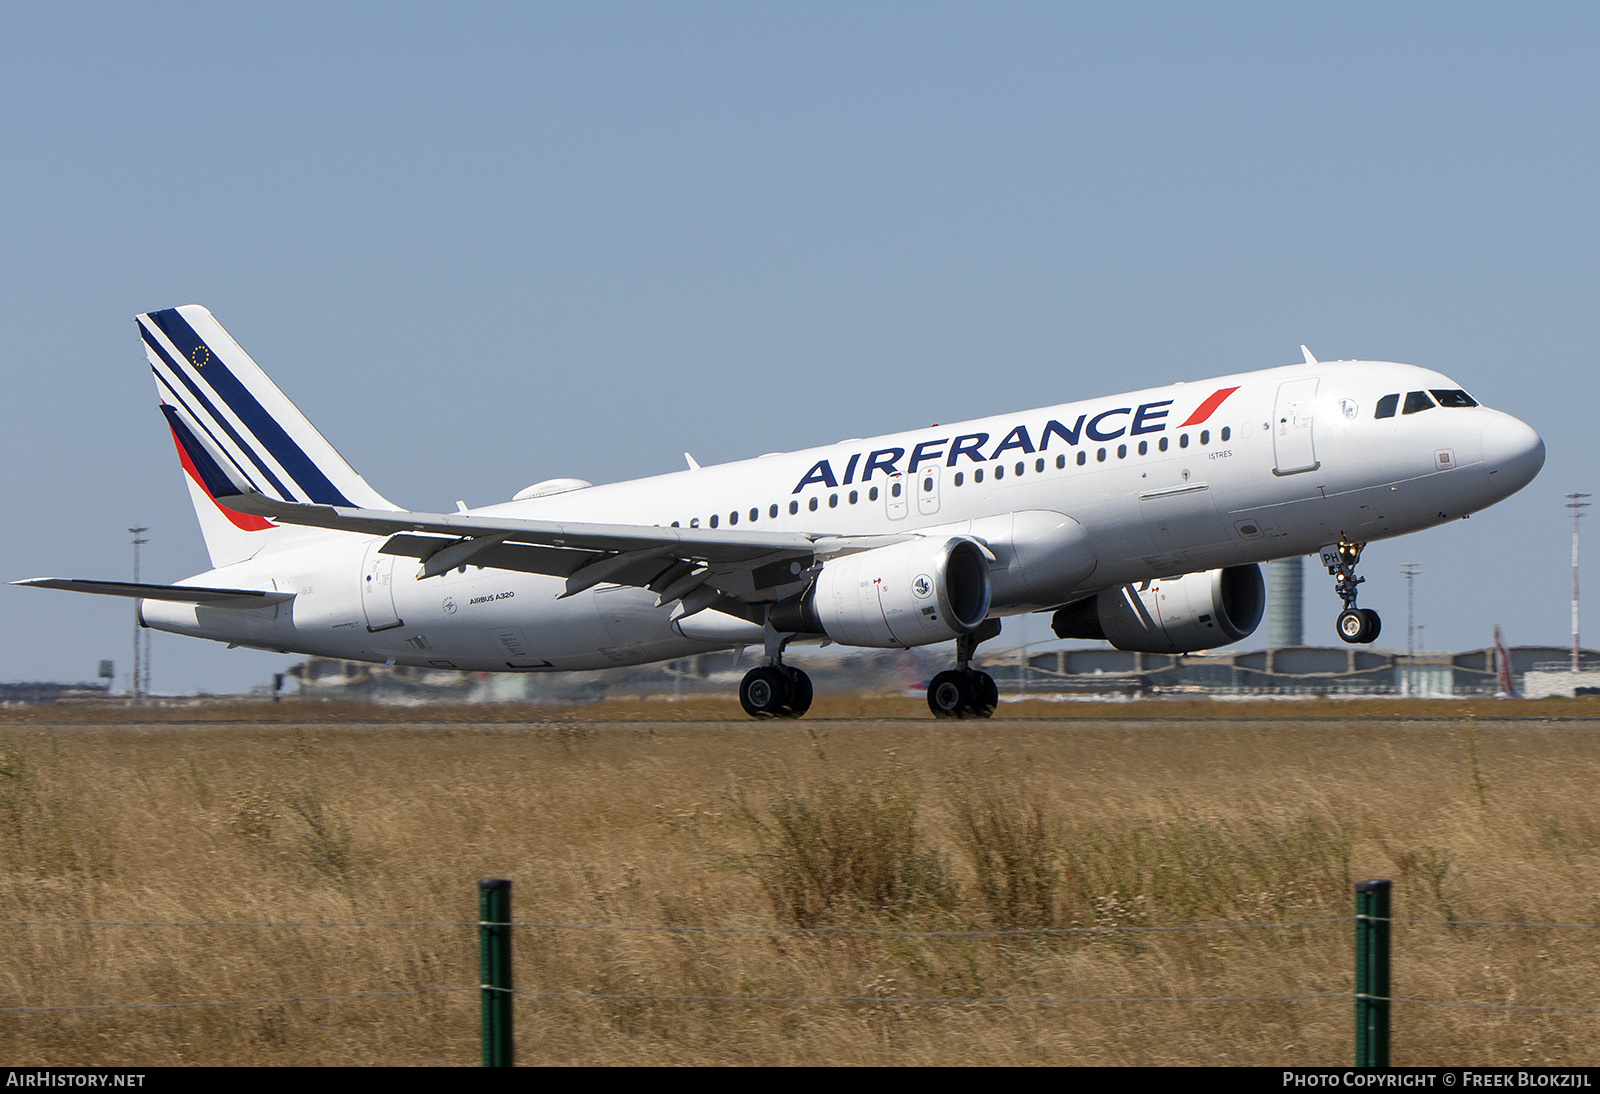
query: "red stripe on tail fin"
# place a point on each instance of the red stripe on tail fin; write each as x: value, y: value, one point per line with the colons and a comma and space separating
x: 243, y: 521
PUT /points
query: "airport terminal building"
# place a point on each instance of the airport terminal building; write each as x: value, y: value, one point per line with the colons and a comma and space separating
x: 1290, y: 671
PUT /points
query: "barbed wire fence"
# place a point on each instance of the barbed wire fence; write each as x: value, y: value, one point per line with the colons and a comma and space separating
x: 497, y: 993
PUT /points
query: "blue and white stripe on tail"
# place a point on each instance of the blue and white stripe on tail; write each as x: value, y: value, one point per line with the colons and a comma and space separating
x: 237, y: 433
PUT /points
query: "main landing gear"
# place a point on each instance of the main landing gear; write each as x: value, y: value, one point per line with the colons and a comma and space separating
x: 775, y: 690
x: 964, y: 692
x: 1354, y: 624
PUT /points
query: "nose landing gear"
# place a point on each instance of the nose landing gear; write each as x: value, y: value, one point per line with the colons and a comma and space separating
x: 1355, y: 625
x: 965, y: 692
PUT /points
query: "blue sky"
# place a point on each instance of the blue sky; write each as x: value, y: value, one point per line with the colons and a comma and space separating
x: 486, y: 245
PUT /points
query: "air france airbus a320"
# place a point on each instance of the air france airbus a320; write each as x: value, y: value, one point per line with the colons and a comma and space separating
x: 1139, y: 519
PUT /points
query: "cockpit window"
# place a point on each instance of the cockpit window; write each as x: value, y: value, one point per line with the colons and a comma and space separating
x: 1454, y: 398
x: 1416, y: 402
x: 1386, y: 406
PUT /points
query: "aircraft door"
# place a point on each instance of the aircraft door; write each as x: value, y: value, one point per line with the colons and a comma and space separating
x: 894, y: 495
x: 1292, y: 444
x: 377, y: 590
x: 926, y: 484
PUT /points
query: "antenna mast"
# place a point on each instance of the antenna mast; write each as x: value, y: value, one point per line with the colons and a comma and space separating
x: 137, y: 684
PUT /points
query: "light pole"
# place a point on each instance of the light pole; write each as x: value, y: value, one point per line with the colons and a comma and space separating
x: 1410, y: 570
x: 137, y: 683
x: 1576, y: 503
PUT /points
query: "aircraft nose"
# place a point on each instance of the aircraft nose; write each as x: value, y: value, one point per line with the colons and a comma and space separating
x: 1512, y: 452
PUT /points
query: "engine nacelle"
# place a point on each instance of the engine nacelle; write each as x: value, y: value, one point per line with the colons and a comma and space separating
x: 907, y: 594
x: 1171, y: 614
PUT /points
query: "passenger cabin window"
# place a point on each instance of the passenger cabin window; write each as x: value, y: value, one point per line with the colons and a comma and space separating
x: 1083, y: 458
x: 794, y: 507
x: 1417, y: 402
x: 713, y: 520
x: 1386, y: 406
x: 1456, y: 398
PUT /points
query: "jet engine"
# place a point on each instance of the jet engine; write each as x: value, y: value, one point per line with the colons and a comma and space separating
x: 907, y: 594
x: 1171, y: 614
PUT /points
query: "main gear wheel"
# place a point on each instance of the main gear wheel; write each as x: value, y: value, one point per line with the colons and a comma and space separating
x: 958, y: 693
x: 775, y: 691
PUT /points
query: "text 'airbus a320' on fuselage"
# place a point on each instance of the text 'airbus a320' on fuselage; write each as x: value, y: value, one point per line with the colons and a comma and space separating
x: 1140, y: 519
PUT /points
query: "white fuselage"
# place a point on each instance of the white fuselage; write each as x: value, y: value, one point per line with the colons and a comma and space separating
x: 1291, y: 459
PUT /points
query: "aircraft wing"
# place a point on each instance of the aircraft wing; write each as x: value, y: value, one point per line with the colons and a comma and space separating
x: 697, y: 566
x: 696, y: 542
x: 673, y: 562
x: 189, y: 594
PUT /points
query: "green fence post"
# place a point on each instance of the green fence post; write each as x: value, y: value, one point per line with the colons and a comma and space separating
x: 494, y: 969
x: 1372, y: 973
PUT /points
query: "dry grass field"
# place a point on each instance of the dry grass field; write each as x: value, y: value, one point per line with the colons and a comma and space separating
x: 868, y: 814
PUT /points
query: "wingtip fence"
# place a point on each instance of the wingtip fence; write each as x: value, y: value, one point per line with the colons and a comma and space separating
x: 1372, y: 995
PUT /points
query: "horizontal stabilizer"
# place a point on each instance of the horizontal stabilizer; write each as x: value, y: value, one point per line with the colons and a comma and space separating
x: 188, y: 594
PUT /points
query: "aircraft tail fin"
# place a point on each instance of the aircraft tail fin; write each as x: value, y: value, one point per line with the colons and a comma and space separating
x: 235, y: 430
